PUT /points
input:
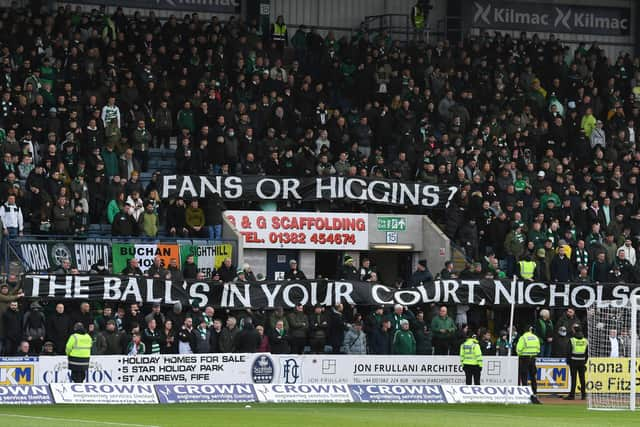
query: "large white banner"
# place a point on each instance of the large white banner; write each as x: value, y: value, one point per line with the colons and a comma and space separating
x: 302, y: 230
x: 345, y: 369
x: 264, y: 368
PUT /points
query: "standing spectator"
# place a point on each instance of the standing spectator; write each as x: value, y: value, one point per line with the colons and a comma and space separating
x: 248, y: 339
x: 294, y: 273
x: 142, y: 140
x: 318, y: 326
x: 227, y: 342
x: 560, y: 268
x: 514, y: 245
x: 443, y: 330
x: 226, y: 271
x: 136, y: 346
x: 600, y: 269
x: 422, y: 335
x: 337, y: 327
x: 298, y: 329
x: 544, y: 330
x: 347, y: 270
x: 279, y: 339
x: 264, y: 346
x: 149, y: 221
x: 404, y: 342
x: 355, y: 340
x: 11, y: 217
x: 381, y: 338
x: 123, y: 223
x: 176, y: 224
x: 152, y: 338
x: 62, y: 217
x: 422, y: 274
x: 194, y: 219
x: 115, y: 339
x: 203, y: 337
x: 629, y: 251
x: 187, y: 338
x: 111, y: 112
x: 163, y: 125
x: 33, y: 326
x: 6, y: 298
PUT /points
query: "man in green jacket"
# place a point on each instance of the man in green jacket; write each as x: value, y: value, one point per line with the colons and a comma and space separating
x: 443, y: 330
x: 515, y: 244
x: 403, y: 340
x: 195, y: 220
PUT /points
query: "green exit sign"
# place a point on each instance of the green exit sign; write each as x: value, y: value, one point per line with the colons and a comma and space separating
x: 392, y: 223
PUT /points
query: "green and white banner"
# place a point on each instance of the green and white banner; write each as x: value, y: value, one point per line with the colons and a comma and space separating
x: 206, y: 257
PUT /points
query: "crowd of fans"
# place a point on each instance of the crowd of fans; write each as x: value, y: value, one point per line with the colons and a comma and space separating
x: 540, y: 137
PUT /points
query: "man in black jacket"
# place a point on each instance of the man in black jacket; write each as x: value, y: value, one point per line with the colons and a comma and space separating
x: 422, y: 274
x: 59, y: 328
x: 247, y: 340
x: 348, y: 271
x: 123, y: 223
x: 279, y: 339
x: 381, y: 338
x: 294, y: 273
x: 227, y: 271
x: 561, y: 267
x: 132, y: 268
x: 12, y: 322
x: 176, y: 221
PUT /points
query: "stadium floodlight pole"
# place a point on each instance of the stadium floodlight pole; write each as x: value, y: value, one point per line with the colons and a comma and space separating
x: 633, y: 359
x: 513, y: 304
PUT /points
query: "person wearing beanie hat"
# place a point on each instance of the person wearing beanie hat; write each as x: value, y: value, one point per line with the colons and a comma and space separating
x: 294, y: 272
x: 403, y: 340
x: 348, y: 271
x: 421, y: 275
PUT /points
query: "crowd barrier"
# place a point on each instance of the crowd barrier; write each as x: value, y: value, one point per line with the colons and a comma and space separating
x: 123, y: 394
x: 258, y: 368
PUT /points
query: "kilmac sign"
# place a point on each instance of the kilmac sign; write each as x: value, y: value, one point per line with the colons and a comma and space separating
x: 310, y: 292
x: 266, y: 188
x: 548, y: 17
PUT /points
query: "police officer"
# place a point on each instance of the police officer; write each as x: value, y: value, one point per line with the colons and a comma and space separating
x: 471, y: 360
x: 527, y: 268
x: 78, y: 352
x: 577, y: 362
x: 528, y: 348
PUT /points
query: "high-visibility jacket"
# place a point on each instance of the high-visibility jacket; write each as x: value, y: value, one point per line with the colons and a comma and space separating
x: 78, y: 349
x: 418, y: 17
x: 528, y: 345
x: 527, y: 268
x: 470, y: 353
x: 279, y: 32
x: 579, y: 349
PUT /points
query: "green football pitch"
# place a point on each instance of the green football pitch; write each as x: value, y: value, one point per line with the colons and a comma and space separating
x: 303, y: 415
